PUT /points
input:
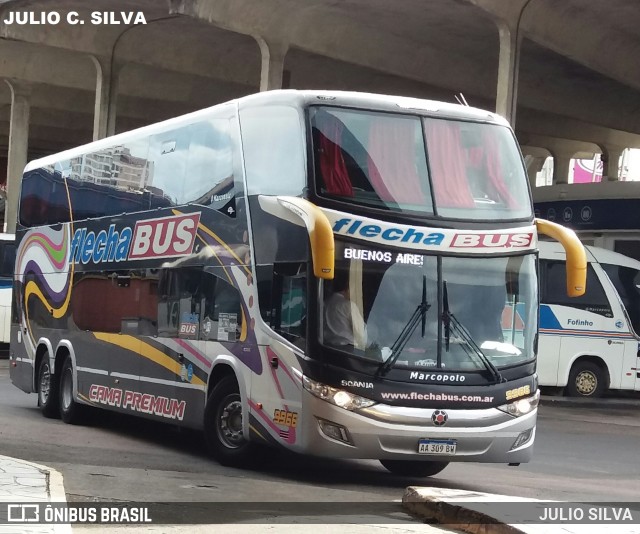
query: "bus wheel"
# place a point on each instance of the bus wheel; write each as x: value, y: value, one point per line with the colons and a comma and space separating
x: 47, y: 389
x: 223, y: 426
x: 70, y: 410
x: 587, y: 379
x: 414, y: 468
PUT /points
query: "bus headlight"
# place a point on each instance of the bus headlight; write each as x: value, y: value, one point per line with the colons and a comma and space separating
x: 339, y: 397
x: 523, y: 406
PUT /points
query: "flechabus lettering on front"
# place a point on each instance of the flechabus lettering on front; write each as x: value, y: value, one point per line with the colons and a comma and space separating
x: 424, y: 238
x: 162, y: 237
x: 492, y: 240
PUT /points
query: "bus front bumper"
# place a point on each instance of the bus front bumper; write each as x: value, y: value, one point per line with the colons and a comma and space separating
x: 394, y: 432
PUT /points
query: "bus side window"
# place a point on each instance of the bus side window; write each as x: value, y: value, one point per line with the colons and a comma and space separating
x: 221, y: 316
x: 626, y: 280
x: 554, y: 289
x: 168, y: 304
x: 282, y: 291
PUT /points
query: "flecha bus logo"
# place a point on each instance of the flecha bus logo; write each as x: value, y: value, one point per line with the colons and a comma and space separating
x: 162, y: 237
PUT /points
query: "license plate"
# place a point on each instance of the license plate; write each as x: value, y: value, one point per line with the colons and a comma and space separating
x: 437, y: 446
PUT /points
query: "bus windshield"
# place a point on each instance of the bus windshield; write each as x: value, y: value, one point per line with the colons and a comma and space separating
x: 470, y: 309
x: 419, y: 165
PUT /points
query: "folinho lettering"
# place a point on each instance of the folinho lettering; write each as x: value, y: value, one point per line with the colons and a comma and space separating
x: 579, y: 322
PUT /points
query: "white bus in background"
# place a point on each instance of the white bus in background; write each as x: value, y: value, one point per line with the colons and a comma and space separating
x: 589, y: 344
x: 7, y: 261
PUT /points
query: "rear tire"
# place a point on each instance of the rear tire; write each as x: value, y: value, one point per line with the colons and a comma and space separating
x: 223, y: 427
x: 70, y: 410
x: 587, y: 379
x: 413, y: 468
x: 47, y: 389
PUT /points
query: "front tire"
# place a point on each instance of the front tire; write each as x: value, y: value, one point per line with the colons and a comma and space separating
x: 223, y: 428
x: 587, y: 379
x: 47, y: 389
x: 413, y: 468
x: 70, y: 410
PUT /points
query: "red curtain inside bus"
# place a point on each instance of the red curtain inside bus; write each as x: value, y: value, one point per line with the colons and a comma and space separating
x: 392, y: 160
x: 494, y: 170
x: 447, y: 165
x: 332, y: 166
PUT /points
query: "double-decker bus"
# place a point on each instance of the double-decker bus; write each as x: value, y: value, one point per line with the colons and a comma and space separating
x: 340, y: 274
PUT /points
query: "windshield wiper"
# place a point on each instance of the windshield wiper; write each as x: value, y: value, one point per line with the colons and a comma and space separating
x: 396, y: 349
x: 450, y: 320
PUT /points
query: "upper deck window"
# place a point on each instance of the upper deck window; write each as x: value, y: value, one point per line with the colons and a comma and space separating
x: 375, y: 159
x: 476, y: 171
x: 396, y: 162
x: 273, y: 150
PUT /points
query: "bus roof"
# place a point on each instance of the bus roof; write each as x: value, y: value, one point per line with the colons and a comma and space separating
x: 554, y: 251
x: 294, y: 98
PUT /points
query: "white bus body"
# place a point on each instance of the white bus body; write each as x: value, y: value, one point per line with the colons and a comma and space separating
x: 192, y: 288
x: 589, y: 344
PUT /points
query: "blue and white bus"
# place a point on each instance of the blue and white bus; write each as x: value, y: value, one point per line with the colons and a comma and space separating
x: 188, y: 272
x: 589, y: 345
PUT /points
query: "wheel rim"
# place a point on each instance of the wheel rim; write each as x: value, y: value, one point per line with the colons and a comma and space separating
x: 586, y: 382
x: 229, y: 422
x: 67, y: 389
x: 45, y: 383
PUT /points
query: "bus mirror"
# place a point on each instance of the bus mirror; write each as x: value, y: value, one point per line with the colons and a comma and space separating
x: 320, y: 234
x: 576, y: 256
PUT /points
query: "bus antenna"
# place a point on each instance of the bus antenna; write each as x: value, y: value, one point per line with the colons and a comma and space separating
x: 461, y: 100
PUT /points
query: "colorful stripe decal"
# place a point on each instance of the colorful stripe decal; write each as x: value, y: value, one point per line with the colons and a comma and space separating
x: 191, y: 350
x: 586, y: 333
x: 147, y: 351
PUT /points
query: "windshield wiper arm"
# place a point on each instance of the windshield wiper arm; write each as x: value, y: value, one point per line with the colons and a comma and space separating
x: 449, y: 319
x: 407, y: 331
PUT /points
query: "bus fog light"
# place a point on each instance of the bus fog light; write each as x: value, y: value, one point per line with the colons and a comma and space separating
x: 335, y: 431
x: 522, y: 406
x: 339, y: 397
x: 522, y: 439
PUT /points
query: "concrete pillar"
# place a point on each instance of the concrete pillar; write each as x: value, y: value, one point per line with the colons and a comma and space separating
x: 611, y: 162
x: 561, y: 167
x: 508, y: 67
x: 534, y: 166
x: 273, y: 54
x: 18, y: 146
x: 107, y: 76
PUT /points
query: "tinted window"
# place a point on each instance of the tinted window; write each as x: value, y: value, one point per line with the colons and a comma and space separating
x: 168, y: 153
x: 194, y: 304
x: 110, y: 181
x: 627, y: 282
x: 209, y: 176
x: 273, y: 147
x: 376, y: 159
x: 7, y: 258
x: 43, y: 199
x: 128, y: 302
x: 554, y: 281
x: 189, y: 164
x: 476, y: 171
x: 282, y: 293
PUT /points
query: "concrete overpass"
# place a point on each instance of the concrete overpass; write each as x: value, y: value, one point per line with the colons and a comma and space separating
x: 565, y: 73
